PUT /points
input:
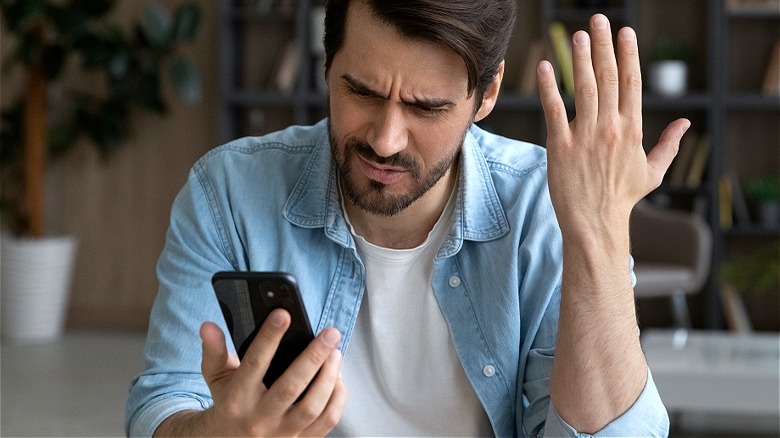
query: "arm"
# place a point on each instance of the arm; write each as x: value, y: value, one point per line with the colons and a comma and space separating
x: 186, y: 391
x: 598, y: 171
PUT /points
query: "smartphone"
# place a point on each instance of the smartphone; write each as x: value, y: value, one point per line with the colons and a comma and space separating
x: 246, y: 299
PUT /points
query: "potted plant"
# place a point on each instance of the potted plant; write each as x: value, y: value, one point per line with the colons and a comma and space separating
x: 669, y: 67
x: 764, y: 193
x: 751, y: 286
x: 53, y: 36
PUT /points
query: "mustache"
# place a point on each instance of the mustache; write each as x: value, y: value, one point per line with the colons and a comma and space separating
x: 364, y: 150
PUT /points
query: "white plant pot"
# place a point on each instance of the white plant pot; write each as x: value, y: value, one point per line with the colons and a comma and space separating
x: 35, y: 279
x: 669, y: 78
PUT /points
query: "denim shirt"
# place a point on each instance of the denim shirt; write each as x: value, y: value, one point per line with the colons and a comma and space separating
x: 272, y: 203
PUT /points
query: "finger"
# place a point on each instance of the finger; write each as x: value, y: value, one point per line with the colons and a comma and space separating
x: 604, y: 65
x: 552, y: 104
x: 585, y: 89
x: 332, y: 414
x: 660, y: 157
x: 630, y: 94
x: 308, y: 410
x: 215, y: 360
x: 258, y: 356
x: 291, y: 384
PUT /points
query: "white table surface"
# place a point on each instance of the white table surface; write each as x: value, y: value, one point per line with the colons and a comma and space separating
x: 716, y: 372
x: 75, y: 387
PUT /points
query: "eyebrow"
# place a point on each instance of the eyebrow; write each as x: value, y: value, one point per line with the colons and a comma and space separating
x: 425, y: 102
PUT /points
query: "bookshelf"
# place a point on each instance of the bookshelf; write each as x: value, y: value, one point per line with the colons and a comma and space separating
x: 724, y: 100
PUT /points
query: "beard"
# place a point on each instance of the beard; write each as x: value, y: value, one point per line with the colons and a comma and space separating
x: 373, y: 196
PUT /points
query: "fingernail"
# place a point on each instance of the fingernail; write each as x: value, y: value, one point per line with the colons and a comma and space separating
x: 331, y: 337
x: 629, y: 34
x: 581, y: 38
x: 276, y: 319
x: 600, y: 21
x: 335, y: 356
x: 544, y: 67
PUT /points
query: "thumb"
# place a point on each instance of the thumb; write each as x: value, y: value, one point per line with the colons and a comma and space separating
x: 215, y: 361
x: 660, y: 157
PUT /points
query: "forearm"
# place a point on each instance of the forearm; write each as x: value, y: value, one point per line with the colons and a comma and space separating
x: 185, y: 424
x: 599, y: 369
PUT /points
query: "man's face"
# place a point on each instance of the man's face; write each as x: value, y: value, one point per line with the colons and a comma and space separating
x: 399, y: 111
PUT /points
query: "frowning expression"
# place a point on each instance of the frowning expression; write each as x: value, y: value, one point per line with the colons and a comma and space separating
x: 399, y: 111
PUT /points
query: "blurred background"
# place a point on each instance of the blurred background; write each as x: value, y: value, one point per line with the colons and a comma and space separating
x: 135, y: 91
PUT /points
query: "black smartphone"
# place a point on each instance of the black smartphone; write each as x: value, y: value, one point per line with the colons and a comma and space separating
x: 246, y: 299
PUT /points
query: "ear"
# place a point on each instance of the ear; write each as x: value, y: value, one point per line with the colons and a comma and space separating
x: 490, y: 96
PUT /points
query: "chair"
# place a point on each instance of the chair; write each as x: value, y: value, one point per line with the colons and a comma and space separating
x: 672, y: 253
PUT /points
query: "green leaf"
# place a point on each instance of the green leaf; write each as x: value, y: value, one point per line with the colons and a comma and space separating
x: 157, y: 26
x: 11, y: 134
x: 150, y: 94
x: 186, y: 80
x: 69, y: 22
x: 21, y: 14
x: 92, y: 8
x: 120, y: 64
x: 95, y: 51
x: 53, y: 61
x: 29, y: 50
x: 187, y: 22
x: 61, y: 137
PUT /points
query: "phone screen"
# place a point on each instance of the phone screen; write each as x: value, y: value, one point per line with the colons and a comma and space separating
x: 246, y: 299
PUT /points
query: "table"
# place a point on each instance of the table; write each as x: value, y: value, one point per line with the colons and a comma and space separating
x: 716, y: 372
x: 74, y: 387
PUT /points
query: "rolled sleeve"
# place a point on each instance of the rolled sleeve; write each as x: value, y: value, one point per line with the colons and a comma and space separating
x: 148, y: 419
x: 647, y: 417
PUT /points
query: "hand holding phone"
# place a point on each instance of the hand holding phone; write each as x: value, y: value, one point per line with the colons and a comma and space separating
x: 247, y: 298
x: 244, y: 405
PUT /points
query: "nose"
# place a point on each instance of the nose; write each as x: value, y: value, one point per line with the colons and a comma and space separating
x: 388, y: 134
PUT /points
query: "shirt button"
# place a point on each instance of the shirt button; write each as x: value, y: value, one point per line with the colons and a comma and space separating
x: 454, y: 281
x: 489, y: 370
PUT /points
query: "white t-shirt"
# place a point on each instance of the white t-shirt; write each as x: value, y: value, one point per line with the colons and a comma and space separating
x: 402, y: 373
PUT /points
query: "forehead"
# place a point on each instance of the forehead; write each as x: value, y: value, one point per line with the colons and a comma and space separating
x: 374, y: 50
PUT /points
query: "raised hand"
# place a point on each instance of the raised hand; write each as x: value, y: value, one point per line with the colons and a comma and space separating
x: 597, y: 166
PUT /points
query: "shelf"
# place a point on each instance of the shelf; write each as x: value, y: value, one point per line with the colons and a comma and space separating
x: 248, y: 14
x: 584, y: 14
x: 692, y: 101
x: 275, y: 97
x: 515, y: 101
x: 755, y: 13
x: 262, y: 98
x: 751, y: 101
x: 753, y: 231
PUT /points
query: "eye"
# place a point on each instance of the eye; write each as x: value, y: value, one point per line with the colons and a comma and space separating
x: 359, y: 92
x: 432, y: 111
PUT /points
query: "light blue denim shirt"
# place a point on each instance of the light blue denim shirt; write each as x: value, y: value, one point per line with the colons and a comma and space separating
x: 271, y: 203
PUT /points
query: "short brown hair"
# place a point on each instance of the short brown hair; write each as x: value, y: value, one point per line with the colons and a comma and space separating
x: 477, y: 30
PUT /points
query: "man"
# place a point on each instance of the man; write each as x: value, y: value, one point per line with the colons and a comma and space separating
x: 426, y: 249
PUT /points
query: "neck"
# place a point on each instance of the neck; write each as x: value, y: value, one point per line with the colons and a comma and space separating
x: 409, y: 228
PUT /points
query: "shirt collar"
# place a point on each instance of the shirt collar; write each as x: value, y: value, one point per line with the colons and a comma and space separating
x: 314, y: 202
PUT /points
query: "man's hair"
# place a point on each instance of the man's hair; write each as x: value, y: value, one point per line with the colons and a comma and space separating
x: 477, y: 30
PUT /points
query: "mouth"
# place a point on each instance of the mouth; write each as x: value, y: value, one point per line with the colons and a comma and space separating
x: 381, y: 173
